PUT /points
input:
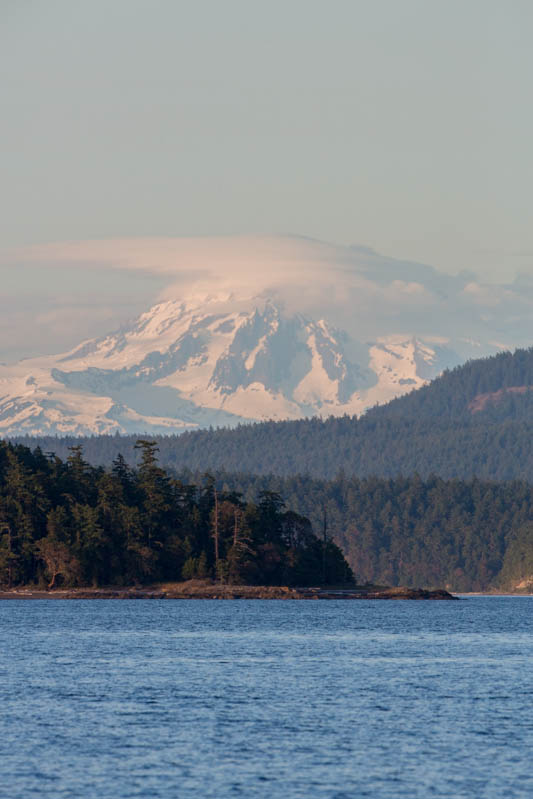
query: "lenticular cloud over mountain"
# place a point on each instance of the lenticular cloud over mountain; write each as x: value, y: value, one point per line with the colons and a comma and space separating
x: 253, y: 328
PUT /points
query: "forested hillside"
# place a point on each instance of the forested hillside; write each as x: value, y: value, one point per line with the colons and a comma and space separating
x: 453, y: 395
x: 476, y: 420
x: 461, y: 529
x: 462, y: 535
x: 68, y: 522
x: 65, y: 522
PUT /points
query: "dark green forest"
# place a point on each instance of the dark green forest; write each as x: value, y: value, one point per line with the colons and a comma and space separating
x: 65, y: 522
x: 460, y: 517
x: 462, y: 535
x: 430, y: 431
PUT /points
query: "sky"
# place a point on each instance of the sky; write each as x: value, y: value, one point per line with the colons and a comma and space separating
x: 402, y: 126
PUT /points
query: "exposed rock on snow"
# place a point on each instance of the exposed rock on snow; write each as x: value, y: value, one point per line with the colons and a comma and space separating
x: 257, y: 328
x: 183, y: 365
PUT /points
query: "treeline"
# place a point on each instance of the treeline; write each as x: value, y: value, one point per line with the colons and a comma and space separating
x: 67, y: 522
x: 461, y: 535
x: 323, y: 449
x: 430, y: 431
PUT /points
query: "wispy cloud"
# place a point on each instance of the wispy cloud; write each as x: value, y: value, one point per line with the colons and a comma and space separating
x: 359, y: 290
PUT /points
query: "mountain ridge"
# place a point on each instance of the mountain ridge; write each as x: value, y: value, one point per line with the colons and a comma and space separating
x: 219, y: 360
x: 251, y: 328
x: 428, y: 431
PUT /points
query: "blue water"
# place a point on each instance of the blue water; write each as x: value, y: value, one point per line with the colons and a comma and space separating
x: 115, y: 699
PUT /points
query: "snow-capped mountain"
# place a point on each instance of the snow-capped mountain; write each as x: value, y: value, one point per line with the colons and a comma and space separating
x: 211, y: 361
x: 254, y: 328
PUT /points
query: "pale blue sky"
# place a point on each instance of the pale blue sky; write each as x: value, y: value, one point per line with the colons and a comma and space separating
x: 405, y: 125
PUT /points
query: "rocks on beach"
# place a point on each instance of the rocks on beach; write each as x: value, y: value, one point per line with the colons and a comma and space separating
x: 205, y: 589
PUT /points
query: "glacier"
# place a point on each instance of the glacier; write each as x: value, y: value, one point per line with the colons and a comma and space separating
x: 254, y: 329
x: 189, y: 364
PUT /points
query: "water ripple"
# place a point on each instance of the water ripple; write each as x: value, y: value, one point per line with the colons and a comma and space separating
x: 332, y: 700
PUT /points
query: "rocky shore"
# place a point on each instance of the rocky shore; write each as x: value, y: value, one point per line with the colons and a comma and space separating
x: 205, y: 589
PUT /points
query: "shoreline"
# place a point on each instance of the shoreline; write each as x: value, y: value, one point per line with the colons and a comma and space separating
x: 205, y: 590
x: 494, y: 593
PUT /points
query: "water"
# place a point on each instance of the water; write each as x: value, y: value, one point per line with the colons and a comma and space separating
x: 116, y: 699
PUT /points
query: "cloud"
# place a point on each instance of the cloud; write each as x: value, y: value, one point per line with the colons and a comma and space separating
x: 484, y: 295
x: 304, y: 271
x: 355, y: 288
x: 409, y: 288
x: 190, y: 259
x: 37, y: 330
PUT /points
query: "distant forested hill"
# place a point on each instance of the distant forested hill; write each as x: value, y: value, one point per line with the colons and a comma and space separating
x: 464, y: 535
x: 85, y: 525
x: 472, y: 426
x: 476, y: 420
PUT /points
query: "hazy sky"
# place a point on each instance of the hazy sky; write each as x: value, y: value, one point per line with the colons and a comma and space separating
x: 404, y: 125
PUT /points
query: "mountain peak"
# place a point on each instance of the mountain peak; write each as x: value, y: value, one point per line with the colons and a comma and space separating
x: 252, y: 328
x: 208, y: 359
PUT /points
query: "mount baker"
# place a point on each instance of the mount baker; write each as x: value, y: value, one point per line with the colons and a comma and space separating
x: 312, y: 329
x: 192, y: 364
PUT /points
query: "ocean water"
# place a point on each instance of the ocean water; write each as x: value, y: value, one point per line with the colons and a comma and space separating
x: 116, y: 699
